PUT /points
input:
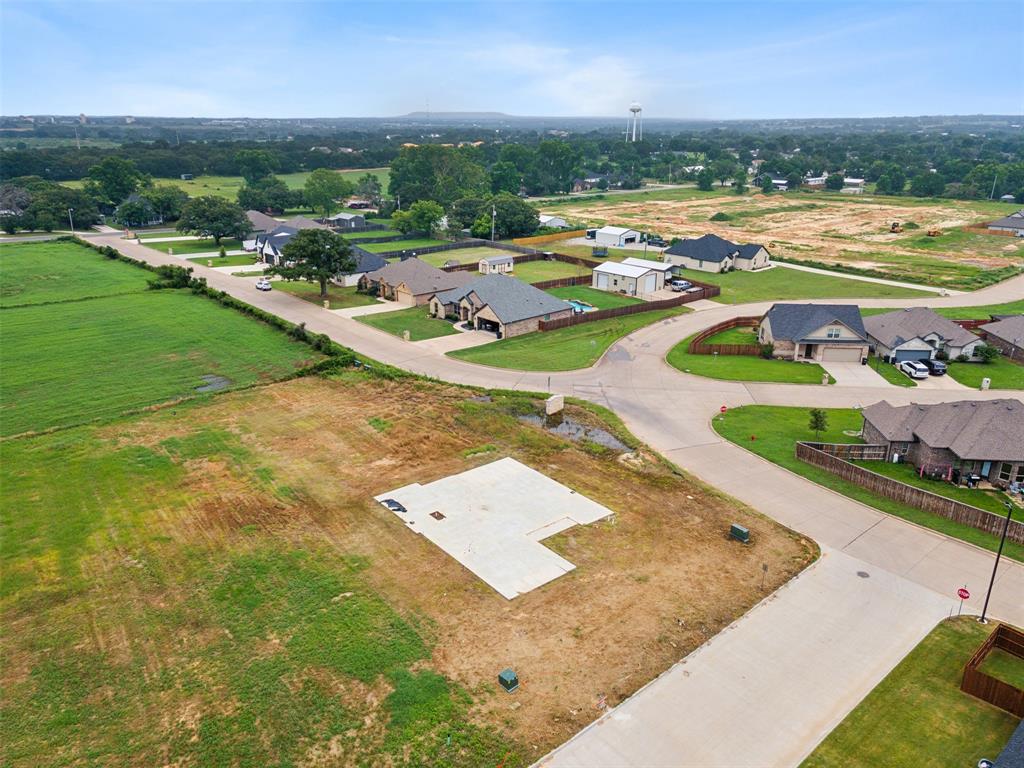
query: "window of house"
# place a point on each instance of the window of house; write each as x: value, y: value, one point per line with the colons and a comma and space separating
x: 1019, y: 477
x: 833, y: 333
x: 1004, y: 471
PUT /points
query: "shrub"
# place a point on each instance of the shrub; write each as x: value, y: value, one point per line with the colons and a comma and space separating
x: 911, y: 225
x: 721, y: 217
x: 222, y: 252
x: 962, y: 358
x: 987, y: 353
x: 171, y: 276
x: 942, y: 355
x: 299, y: 332
x: 766, y: 351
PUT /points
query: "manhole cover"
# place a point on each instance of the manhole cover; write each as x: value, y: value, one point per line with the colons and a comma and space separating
x: 864, y: 574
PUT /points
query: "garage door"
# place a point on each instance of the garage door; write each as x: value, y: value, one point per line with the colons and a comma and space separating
x: 649, y: 283
x: 912, y: 354
x: 602, y: 281
x: 841, y: 354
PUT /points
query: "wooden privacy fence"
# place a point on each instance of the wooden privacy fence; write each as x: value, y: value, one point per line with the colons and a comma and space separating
x: 853, y: 451
x: 982, y: 229
x: 563, y: 282
x: 706, y: 292
x: 982, y: 520
x: 991, y: 689
x: 971, y: 325
x: 697, y: 347
x: 544, y: 238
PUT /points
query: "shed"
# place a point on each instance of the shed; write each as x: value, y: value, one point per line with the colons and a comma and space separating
x: 616, y: 236
x: 630, y: 279
x: 496, y: 265
x: 557, y: 222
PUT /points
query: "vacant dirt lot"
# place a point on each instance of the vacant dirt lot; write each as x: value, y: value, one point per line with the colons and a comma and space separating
x: 297, y: 464
x: 849, y: 230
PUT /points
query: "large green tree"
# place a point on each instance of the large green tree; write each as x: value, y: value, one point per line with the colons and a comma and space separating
x: 513, y: 217
x: 723, y: 169
x: 834, y: 181
x: 112, y: 179
x: 927, y: 185
x: 422, y: 216
x: 166, y: 200
x: 706, y: 179
x: 505, y: 177
x: 324, y: 188
x: 255, y: 164
x: 369, y: 189
x: 134, y: 213
x: 433, y: 172
x: 269, y: 194
x: 215, y: 217
x: 316, y: 256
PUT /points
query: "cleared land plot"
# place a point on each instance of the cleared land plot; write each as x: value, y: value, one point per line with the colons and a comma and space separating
x: 535, y: 271
x: 416, y: 320
x: 599, y: 299
x: 186, y: 247
x: 781, y: 284
x: 401, y: 245
x: 73, y: 362
x: 53, y: 271
x: 577, y: 346
x: 492, y: 519
x: 743, y: 367
x: 339, y: 297
x: 777, y: 428
x: 918, y: 716
x: 832, y: 229
x: 225, y: 562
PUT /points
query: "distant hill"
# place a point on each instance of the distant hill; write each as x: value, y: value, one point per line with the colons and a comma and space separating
x: 455, y: 116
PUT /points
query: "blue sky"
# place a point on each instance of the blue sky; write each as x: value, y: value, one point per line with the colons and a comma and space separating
x: 680, y: 59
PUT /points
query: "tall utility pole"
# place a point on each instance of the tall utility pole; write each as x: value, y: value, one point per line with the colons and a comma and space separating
x: 999, y: 554
x: 71, y: 219
x: 494, y: 215
x: 992, y: 194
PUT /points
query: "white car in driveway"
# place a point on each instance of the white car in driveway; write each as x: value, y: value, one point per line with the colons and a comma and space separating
x: 914, y: 369
x: 263, y: 284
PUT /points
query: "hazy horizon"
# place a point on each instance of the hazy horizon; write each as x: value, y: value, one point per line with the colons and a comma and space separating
x: 684, y: 61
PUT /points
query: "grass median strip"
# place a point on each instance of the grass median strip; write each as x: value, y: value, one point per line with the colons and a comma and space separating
x: 578, y: 346
x: 744, y: 367
x: 918, y: 715
x: 772, y: 432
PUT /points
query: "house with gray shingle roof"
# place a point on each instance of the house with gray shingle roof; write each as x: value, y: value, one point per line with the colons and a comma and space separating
x: 1006, y: 333
x: 412, y: 282
x: 918, y: 333
x: 1013, y: 223
x: 815, y: 332
x: 499, y: 303
x: 984, y: 437
x: 712, y: 253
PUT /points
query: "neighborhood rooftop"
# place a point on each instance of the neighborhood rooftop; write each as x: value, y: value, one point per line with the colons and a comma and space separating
x: 796, y: 321
x: 624, y: 269
x: 660, y: 266
x: 987, y: 429
x: 713, y: 248
x: 418, y: 276
x: 1010, y: 329
x: 510, y: 299
x: 895, y: 328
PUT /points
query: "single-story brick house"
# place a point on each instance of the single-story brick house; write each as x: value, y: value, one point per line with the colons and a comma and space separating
x: 711, y: 253
x: 496, y: 265
x: 1006, y: 333
x: 499, y: 303
x: 918, y: 334
x: 815, y: 332
x: 1013, y: 223
x: 411, y: 282
x: 632, y: 279
x: 983, y: 437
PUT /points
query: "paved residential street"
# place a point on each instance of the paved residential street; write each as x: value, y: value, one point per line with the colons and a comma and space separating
x: 767, y: 690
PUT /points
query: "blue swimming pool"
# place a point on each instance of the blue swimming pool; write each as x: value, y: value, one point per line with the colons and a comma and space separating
x: 581, y: 306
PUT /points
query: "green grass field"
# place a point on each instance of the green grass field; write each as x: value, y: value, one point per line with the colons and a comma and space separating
x: 966, y: 313
x: 187, y: 247
x: 228, y: 186
x: 734, y: 336
x: 1004, y: 666
x: 37, y: 273
x: 960, y: 275
x: 535, y: 271
x: 73, y: 362
x: 225, y: 261
x: 1003, y: 373
x: 461, y: 255
x: 401, y: 245
x: 586, y: 251
x: 781, y: 284
x: 891, y: 373
x: 777, y: 428
x: 993, y: 501
x: 744, y: 367
x: 918, y: 716
x: 566, y: 349
x: 372, y: 233
x: 340, y: 297
x: 414, y: 319
x: 599, y: 299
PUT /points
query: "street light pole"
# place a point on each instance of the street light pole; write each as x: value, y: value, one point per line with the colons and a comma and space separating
x: 494, y: 214
x: 995, y: 566
x: 71, y: 219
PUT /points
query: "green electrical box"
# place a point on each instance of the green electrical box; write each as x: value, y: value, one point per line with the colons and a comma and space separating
x: 508, y: 680
x: 739, y: 533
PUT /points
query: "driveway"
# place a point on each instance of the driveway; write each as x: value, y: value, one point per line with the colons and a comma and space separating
x: 462, y: 340
x: 855, y: 375
x: 369, y: 309
x: 947, y: 383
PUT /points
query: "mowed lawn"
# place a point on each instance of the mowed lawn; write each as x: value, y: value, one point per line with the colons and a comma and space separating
x: 74, y: 362
x: 463, y: 255
x: 225, y: 261
x: 414, y: 319
x: 401, y: 245
x: 536, y: 271
x: 963, y: 313
x: 566, y: 349
x: 339, y: 297
x: 371, y: 233
x: 743, y: 367
x: 1004, y: 373
x: 918, y: 716
x: 771, y: 432
x: 187, y: 247
x: 781, y: 284
x: 37, y: 273
x: 599, y: 299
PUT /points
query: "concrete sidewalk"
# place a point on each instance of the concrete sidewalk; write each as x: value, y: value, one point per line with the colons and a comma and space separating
x: 764, y: 691
x: 866, y: 279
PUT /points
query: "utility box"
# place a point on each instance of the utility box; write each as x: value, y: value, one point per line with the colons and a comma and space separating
x: 738, y: 532
x: 508, y: 679
x: 554, y: 404
x: 986, y: 383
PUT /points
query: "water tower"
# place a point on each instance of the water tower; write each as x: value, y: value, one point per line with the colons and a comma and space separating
x: 638, y: 120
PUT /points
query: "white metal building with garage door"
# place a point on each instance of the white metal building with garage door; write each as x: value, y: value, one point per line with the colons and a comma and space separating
x: 616, y: 236
x: 629, y: 279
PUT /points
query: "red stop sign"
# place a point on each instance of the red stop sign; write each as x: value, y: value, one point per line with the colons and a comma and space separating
x: 963, y: 594
x: 723, y: 409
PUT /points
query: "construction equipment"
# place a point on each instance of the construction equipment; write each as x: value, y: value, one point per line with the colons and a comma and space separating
x: 934, y: 232
x: 895, y: 228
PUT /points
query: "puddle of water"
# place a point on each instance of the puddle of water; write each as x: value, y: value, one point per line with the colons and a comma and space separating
x: 213, y: 383
x: 480, y: 399
x: 575, y: 431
